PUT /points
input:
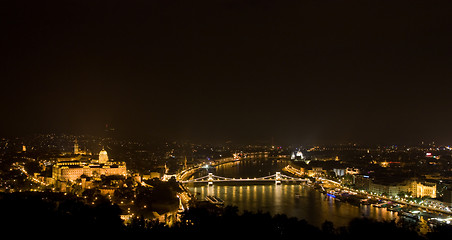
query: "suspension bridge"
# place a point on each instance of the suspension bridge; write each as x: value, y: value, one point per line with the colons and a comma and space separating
x: 277, y: 178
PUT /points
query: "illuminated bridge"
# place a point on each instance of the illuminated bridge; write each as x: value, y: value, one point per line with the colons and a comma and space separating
x: 277, y: 178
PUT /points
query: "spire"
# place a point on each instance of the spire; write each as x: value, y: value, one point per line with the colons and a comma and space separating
x: 76, y: 149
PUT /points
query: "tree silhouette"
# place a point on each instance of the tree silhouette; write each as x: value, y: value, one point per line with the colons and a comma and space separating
x: 38, y: 213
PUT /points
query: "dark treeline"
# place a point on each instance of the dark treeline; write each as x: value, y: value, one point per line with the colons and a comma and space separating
x: 53, y: 214
x: 58, y: 215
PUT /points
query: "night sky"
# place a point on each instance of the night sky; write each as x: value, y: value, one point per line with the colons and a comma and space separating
x: 211, y: 71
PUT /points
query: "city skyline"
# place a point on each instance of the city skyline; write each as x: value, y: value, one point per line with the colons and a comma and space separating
x: 226, y: 118
x: 217, y: 71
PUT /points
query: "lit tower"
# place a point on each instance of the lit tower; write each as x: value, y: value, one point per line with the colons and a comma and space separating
x: 103, y: 157
x: 76, y: 150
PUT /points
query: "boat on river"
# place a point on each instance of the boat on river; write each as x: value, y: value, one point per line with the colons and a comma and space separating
x: 410, y: 214
x: 215, y: 200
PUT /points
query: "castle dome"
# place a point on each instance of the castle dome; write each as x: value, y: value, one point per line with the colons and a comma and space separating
x: 103, y: 156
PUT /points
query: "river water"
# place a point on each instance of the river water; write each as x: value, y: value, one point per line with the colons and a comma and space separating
x: 294, y: 200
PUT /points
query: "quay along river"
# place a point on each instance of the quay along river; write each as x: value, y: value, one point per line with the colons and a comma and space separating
x: 294, y: 200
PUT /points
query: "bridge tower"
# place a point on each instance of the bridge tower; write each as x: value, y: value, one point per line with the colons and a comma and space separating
x: 210, y: 179
x: 278, y: 178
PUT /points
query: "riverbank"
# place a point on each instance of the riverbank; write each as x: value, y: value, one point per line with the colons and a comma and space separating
x: 428, y: 216
x: 312, y: 201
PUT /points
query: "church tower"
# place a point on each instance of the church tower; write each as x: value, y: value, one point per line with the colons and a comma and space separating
x: 76, y: 149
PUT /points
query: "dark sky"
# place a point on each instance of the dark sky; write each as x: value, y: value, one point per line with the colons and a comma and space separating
x: 300, y: 71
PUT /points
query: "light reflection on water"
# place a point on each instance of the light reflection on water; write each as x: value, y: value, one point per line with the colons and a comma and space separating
x: 298, y: 201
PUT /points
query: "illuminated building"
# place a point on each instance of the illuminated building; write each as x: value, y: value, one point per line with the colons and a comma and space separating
x: 316, y: 171
x: 73, y: 168
x: 299, y: 155
x: 423, y: 189
x: 76, y: 147
x: 340, y: 172
x: 103, y: 156
x: 167, y: 177
x: 389, y: 189
x: 352, y: 171
x: 417, y: 189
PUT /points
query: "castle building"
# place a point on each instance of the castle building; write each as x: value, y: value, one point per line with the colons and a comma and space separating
x: 74, y: 168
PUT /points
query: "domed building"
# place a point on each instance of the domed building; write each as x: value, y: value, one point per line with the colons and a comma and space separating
x: 74, y: 168
x: 103, y: 156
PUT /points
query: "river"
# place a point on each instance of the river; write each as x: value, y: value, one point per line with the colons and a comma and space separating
x: 294, y: 200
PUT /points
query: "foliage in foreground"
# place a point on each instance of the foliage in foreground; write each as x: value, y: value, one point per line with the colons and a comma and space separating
x: 50, y: 214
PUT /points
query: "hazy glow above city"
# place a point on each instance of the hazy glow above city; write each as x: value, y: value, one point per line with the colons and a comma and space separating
x: 301, y: 72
